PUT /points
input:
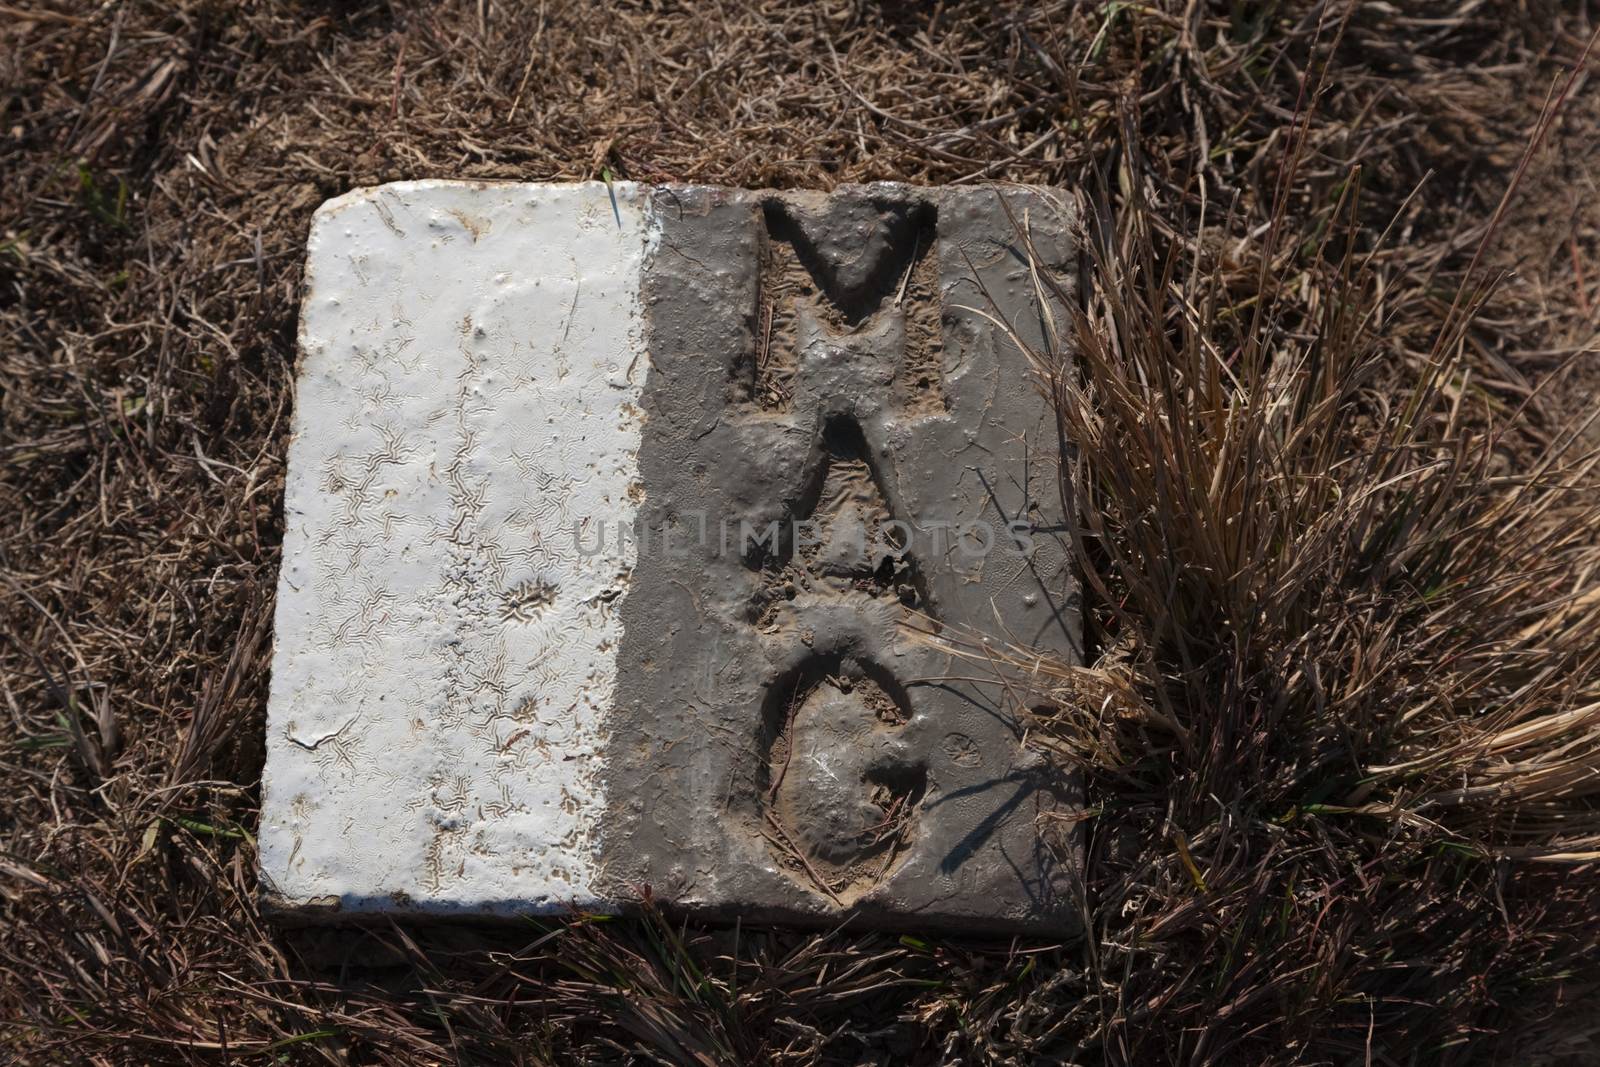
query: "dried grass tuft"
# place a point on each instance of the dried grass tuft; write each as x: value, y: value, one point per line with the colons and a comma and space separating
x: 1342, y: 740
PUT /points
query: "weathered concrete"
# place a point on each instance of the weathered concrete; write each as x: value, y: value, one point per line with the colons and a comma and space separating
x: 469, y: 376
x: 788, y: 749
x: 726, y: 711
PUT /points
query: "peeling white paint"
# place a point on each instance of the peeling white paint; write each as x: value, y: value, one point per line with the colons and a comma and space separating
x: 471, y: 361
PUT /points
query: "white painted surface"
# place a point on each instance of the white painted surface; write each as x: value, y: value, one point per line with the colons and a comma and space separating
x: 471, y: 360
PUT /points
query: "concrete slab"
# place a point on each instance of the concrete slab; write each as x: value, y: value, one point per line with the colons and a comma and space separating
x: 606, y: 505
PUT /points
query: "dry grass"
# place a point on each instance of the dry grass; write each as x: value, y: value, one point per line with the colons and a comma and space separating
x: 1341, y: 736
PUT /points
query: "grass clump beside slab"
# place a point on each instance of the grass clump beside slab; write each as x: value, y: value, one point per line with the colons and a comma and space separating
x: 1342, y: 732
x: 1326, y: 433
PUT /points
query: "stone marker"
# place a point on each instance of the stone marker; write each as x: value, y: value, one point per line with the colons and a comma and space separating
x: 606, y: 507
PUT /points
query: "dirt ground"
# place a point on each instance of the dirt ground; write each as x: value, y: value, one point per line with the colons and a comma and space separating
x: 159, y: 164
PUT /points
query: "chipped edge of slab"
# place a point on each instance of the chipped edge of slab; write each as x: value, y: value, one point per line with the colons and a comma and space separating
x: 406, y: 284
